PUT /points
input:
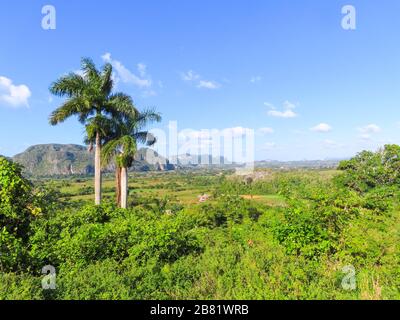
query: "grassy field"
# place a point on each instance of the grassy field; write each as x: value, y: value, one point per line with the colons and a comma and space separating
x: 184, y: 189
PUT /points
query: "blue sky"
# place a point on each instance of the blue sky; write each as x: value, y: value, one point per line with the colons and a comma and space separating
x: 287, y: 69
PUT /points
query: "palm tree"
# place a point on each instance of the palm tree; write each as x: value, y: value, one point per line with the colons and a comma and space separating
x: 122, y: 146
x: 90, y: 98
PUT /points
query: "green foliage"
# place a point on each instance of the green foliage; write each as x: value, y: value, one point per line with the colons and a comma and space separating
x: 226, y: 248
x: 19, y: 205
x: 369, y: 170
x: 16, y: 199
x: 12, y: 251
x: 20, y: 287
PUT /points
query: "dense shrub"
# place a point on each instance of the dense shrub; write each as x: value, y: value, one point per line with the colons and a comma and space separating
x: 225, y: 248
x: 369, y: 170
x: 20, y: 204
x: 17, y: 204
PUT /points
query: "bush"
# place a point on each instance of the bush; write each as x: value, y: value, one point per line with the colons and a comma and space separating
x: 369, y: 170
x: 19, y: 205
x: 226, y: 248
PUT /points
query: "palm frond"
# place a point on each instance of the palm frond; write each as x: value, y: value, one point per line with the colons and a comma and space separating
x: 121, y: 106
x: 149, y: 115
x: 71, y: 107
x: 70, y: 85
x: 145, y: 137
x: 89, y: 70
x: 107, y: 80
x: 99, y: 124
x: 108, y: 152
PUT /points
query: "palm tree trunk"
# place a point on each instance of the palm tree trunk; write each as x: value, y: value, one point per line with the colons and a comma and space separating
x: 118, y: 185
x: 97, y: 171
x: 124, y: 188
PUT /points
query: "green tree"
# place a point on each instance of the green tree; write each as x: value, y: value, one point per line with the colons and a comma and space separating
x: 368, y: 170
x: 90, y: 98
x: 122, y: 146
x: 17, y: 209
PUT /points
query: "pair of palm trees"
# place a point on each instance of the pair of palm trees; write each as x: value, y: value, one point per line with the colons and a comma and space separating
x: 112, y: 122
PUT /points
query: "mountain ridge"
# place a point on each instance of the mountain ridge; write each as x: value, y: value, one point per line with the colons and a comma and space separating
x: 72, y: 159
x: 55, y: 159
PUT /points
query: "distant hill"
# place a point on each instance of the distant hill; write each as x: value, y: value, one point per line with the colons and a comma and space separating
x: 71, y: 159
x: 56, y: 159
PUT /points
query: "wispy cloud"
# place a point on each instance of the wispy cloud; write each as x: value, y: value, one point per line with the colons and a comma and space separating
x: 208, y: 85
x: 367, y: 131
x: 322, y: 128
x: 142, y: 68
x: 191, y: 76
x: 370, y: 128
x: 255, y: 79
x: 282, y: 114
x: 13, y: 95
x: 123, y: 74
x: 287, y: 111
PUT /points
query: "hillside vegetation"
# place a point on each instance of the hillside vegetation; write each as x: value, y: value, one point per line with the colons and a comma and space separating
x: 49, y: 160
x: 298, y: 234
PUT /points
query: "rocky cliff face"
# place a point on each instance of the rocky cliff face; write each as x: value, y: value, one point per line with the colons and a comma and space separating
x: 59, y: 159
x: 56, y: 159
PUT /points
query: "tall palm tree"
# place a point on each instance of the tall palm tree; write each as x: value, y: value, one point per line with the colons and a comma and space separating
x: 90, y: 98
x: 122, y: 147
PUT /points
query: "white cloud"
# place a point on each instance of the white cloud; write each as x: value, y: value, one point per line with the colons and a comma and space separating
x: 191, y: 76
x: 282, y: 114
x: 322, y: 127
x: 126, y: 76
x: 255, y: 79
x: 269, y: 105
x: 142, y: 69
x: 208, y: 84
x: 368, y: 129
x: 287, y: 111
x: 106, y: 57
x: 13, y: 95
x: 266, y: 130
x: 288, y: 105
